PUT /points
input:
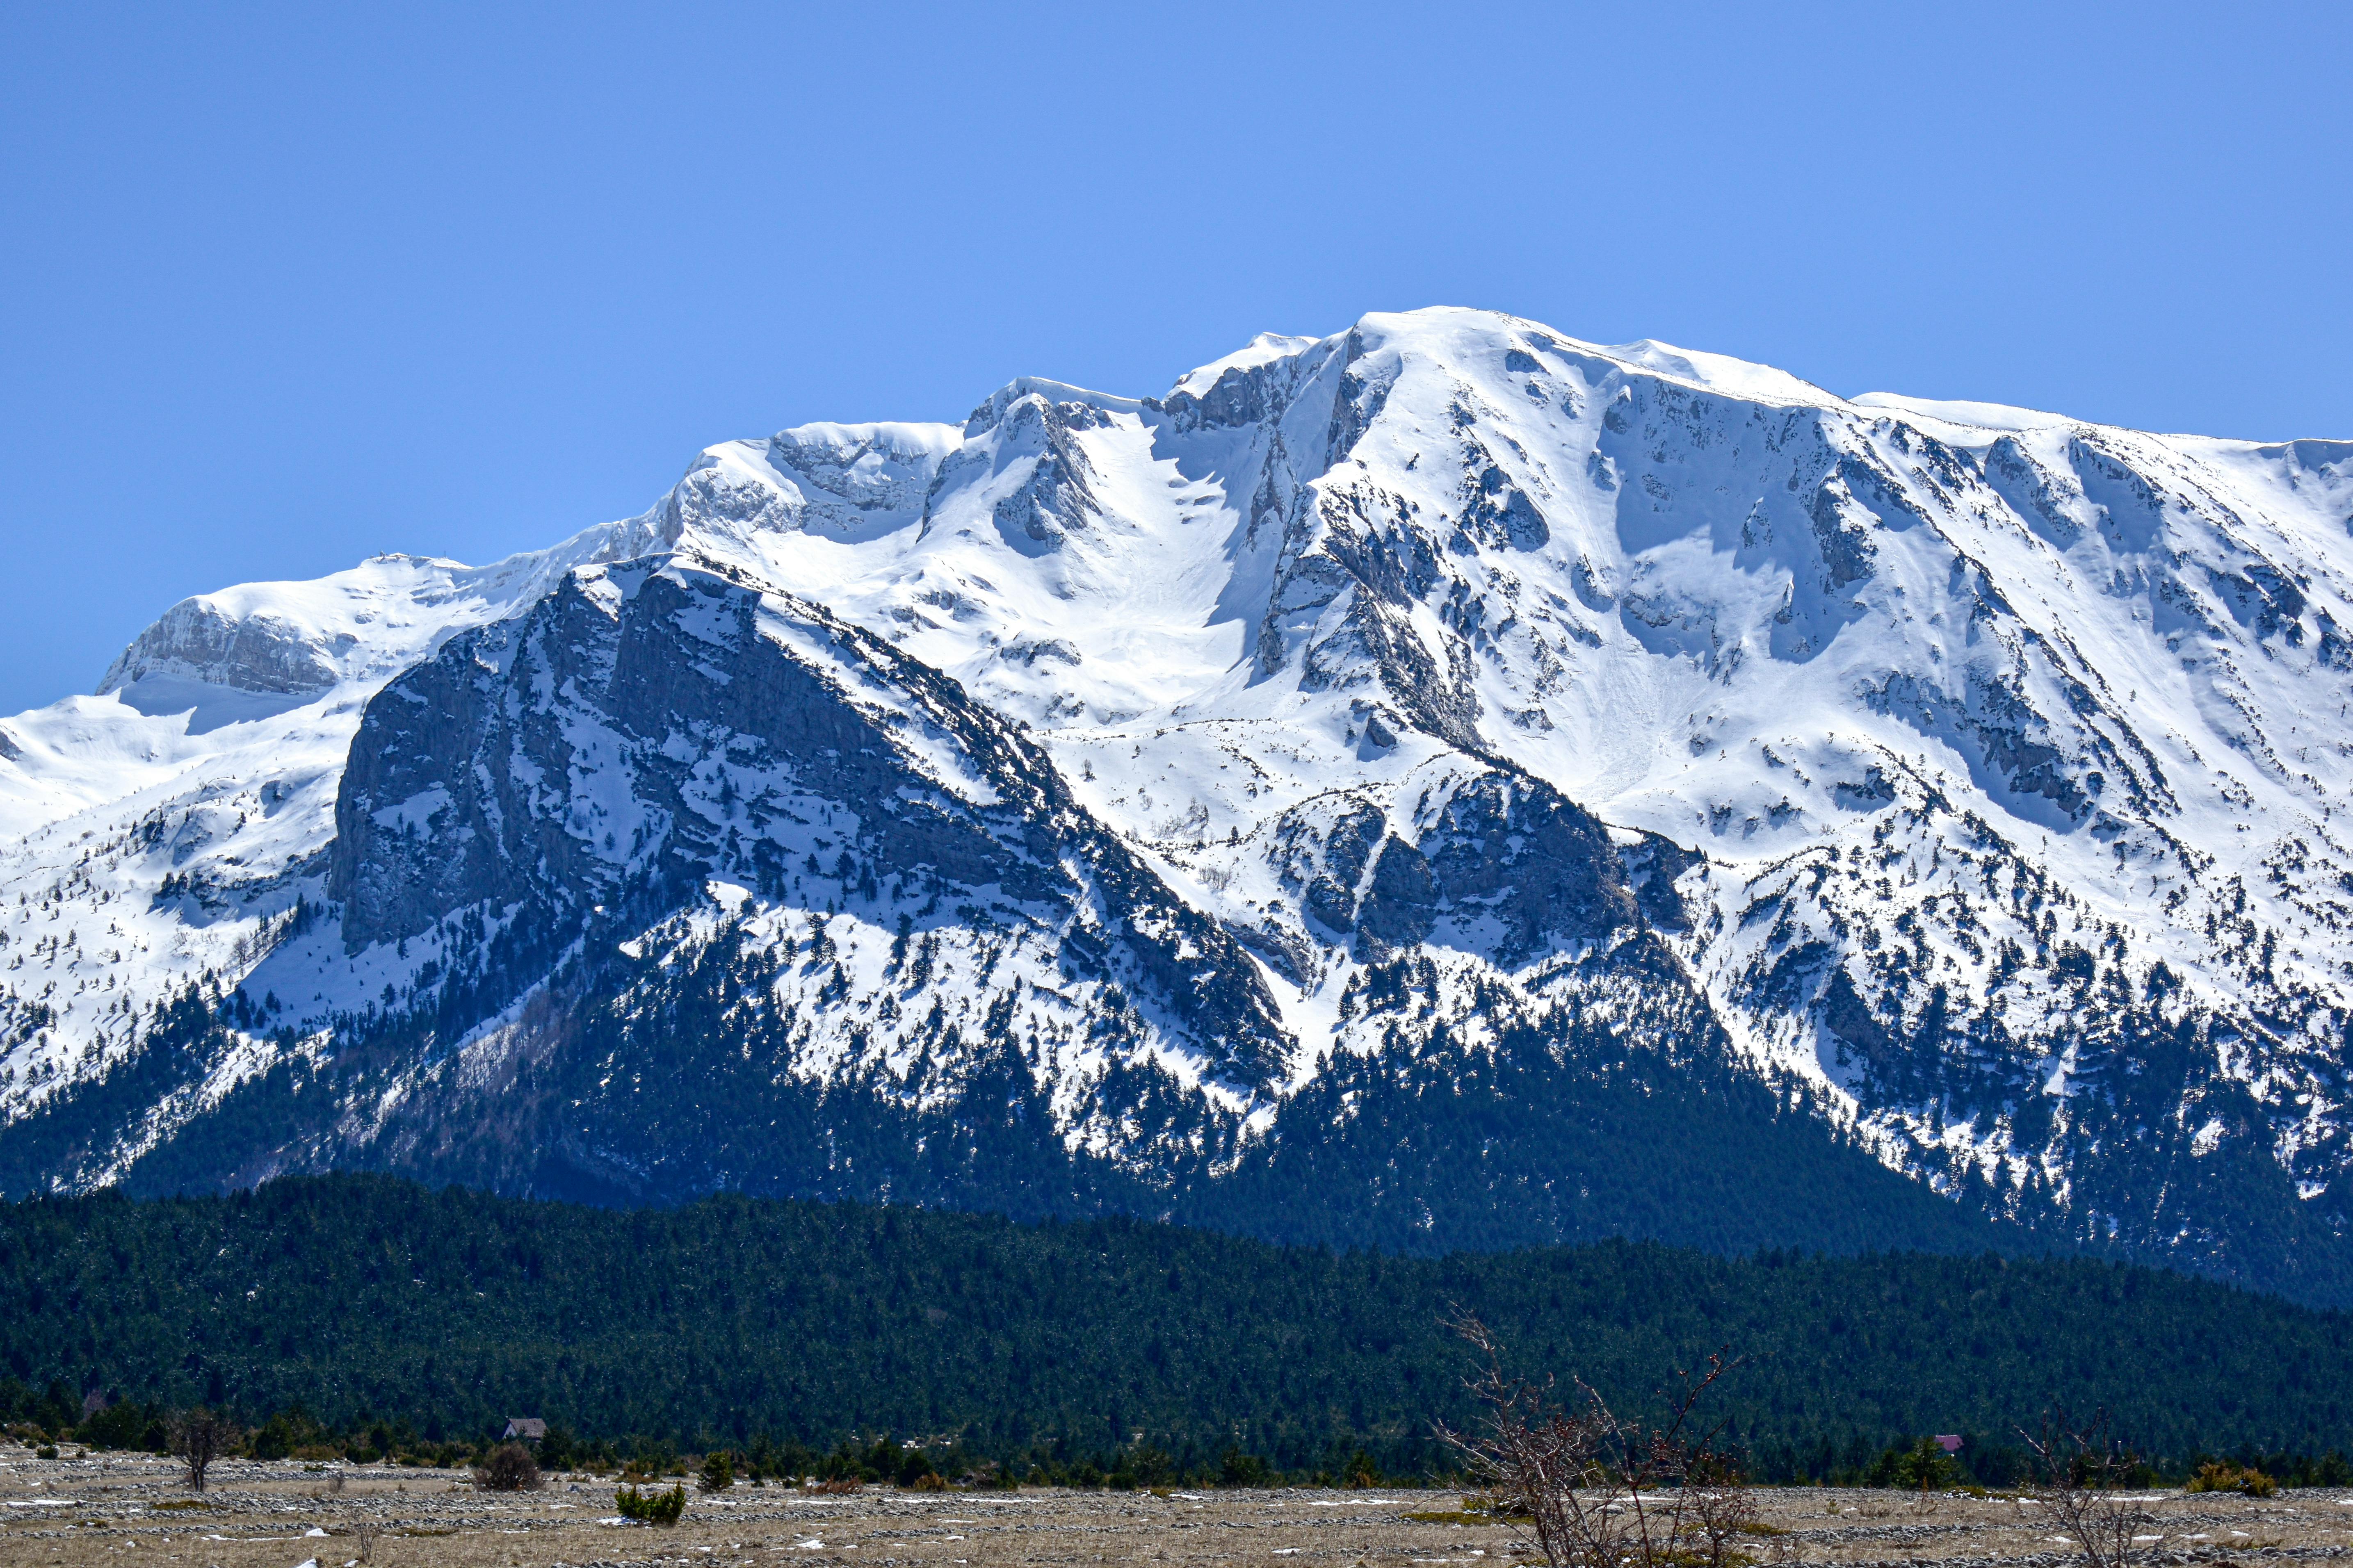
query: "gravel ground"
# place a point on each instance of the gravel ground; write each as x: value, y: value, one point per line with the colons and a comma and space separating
x: 118, y: 1510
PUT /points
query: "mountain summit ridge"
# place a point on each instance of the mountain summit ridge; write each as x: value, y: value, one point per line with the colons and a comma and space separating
x: 1390, y: 706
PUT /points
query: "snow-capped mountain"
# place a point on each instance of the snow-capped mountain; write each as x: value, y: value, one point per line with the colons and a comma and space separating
x: 1183, y: 804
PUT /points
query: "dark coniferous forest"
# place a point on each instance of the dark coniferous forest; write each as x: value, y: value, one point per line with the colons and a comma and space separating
x: 369, y: 1304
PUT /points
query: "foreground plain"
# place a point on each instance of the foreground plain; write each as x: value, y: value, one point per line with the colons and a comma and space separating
x: 123, y: 1509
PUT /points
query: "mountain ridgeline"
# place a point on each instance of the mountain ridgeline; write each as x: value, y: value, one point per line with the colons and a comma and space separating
x: 1439, y: 786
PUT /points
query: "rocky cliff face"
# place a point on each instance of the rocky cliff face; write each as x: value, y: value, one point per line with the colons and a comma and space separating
x: 657, y: 735
x: 1206, y: 782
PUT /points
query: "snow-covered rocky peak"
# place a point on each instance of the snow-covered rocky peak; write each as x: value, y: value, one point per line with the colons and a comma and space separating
x: 163, y: 829
x: 2030, y: 664
x: 298, y: 639
x: 1970, y: 770
x: 848, y: 483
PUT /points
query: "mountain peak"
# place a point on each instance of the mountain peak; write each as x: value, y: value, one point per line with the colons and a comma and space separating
x: 1442, y: 699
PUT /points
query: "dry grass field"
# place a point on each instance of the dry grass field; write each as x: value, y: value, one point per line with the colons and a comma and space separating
x: 124, y: 1509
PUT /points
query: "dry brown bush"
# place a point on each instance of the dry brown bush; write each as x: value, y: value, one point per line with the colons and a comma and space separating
x: 2079, y: 1474
x: 509, y: 1469
x: 198, y: 1437
x: 1589, y: 1489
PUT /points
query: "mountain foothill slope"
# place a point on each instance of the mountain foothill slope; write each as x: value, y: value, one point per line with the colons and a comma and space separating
x: 1443, y: 784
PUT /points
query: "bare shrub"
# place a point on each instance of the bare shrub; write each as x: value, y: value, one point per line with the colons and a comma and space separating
x: 510, y: 1468
x: 198, y: 1437
x: 2078, y: 1477
x: 1718, y: 1505
x: 1588, y: 1489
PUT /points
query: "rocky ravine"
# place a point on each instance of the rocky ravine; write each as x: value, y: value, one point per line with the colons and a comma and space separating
x: 1443, y: 783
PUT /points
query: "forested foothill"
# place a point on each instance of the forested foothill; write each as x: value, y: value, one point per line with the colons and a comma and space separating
x: 369, y: 1317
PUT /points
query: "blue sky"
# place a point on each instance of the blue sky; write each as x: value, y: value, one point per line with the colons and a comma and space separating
x: 281, y: 287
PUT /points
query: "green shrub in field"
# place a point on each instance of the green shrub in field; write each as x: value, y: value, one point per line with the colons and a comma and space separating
x: 1923, y: 1467
x: 1236, y: 1468
x: 650, y: 1507
x: 126, y: 1423
x: 718, y: 1472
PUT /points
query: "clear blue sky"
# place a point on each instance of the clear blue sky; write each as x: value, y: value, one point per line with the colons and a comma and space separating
x: 283, y: 286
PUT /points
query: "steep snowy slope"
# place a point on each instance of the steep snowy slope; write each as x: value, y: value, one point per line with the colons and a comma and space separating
x: 1960, y: 776
x: 2007, y: 737
x: 164, y: 829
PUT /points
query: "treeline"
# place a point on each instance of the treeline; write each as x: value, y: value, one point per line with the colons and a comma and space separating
x: 1919, y: 1463
x: 374, y: 1317
x: 913, y: 1462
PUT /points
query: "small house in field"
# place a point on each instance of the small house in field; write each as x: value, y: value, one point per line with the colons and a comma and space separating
x: 523, y: 1429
